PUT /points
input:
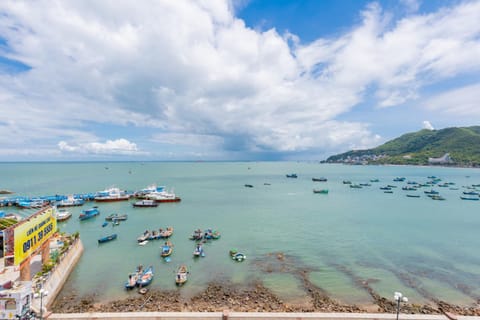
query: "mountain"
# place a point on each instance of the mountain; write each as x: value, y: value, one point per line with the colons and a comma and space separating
x: 461, y: 144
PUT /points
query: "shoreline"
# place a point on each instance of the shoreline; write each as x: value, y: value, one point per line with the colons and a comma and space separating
x: 254, y: 297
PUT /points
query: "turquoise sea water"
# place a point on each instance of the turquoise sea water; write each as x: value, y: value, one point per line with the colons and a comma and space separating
x: 418, y: 246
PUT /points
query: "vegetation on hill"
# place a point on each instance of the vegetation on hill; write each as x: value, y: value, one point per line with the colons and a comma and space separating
x: 462, y: 144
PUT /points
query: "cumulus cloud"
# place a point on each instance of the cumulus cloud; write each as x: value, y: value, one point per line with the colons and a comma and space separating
x: 197, y: 73
x: 110, y: 147
x: 427, y: 125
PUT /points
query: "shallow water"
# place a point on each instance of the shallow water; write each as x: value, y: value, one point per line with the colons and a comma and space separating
x: 418, y: 246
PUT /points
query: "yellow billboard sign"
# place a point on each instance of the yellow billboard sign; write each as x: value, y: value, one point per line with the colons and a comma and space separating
x: 32, y: 233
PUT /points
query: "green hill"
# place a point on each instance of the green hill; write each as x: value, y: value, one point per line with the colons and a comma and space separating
x: 462, y: 144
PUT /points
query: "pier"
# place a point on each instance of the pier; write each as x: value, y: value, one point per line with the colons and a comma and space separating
x: 57, y: 278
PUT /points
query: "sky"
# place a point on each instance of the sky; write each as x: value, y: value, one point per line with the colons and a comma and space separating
x: 213, y: 80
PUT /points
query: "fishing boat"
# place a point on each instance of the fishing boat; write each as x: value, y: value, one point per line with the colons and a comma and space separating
x: 89, y: 213
x: 322, y: 191
x: 399, y: 179
x: 71, y: 201
x: 181, y: 276
x: 248, y: 186
x: 112, y: 194
x: 347, y: 182
x: 437, y: 197
x: 211, y: 234
x: 145, y: 203
x: 198, y: 251
x: 145, y: 236
x: 355, y: 186
x: 146, y: 277
x: 413, y: 195
x: 385, y: 188
x: 197, y: 235
x: 116, y: 216
x: 431, y: 192
x: 142, y: 194
x: 107, y: 238
x: 408, y: 188
x: 62, y: 215
x: 469, y: 198
x: 167, y: 249
x: 163, y: 196
x: 133, y: 277
x: 104, y: 224
x: 239, y: 257
x: 322, y: 179
x: 292, y: 175
x: 388, y: 191
x: 165, y: 233
x: 471, y: 193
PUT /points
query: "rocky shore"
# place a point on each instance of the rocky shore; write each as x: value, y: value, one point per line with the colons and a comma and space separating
x: 253, y: 298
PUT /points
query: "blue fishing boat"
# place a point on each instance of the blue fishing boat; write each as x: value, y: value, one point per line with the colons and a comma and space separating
x: 89, y: 213
x: 107, y: 238
x: 133, y: 278
x: 146, y: 277
x: 104, y: 224
x: 198, y: 252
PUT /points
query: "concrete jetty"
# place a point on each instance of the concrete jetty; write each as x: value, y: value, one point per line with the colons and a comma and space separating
x: 58, y: 277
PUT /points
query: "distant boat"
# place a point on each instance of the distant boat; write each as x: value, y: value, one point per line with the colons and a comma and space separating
x: 469, y: 198
x: 292, y: 175
x: 322, y: 179
x: 437, y: 197
x: 112, y: 194
x: 107, y: 238
x: 413, y: 195
x: 322, y: 191
x: 145, y: 203
x: 249, y: 186
x: 117, y: 217
x: 71, y: 201
x: 399, y: 179
x: 431, y: 192
x: 355, y: 186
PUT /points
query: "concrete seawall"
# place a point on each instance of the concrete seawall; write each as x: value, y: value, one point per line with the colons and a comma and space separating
x: 248, y: 316
x: 59, y: 276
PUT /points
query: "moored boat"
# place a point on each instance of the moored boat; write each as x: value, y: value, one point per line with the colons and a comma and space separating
x: 322, y: 179
x: 112, y: 194
x: 198, y: 251
x: 167, y: 249
x: 133, y: 277
x: 469, y: 198
x: 145, y: 236
x: 292, y: 175
x: 62, y: 215
x: 89, y: 213
x: 197, y: 235
x: 165, y: 233
x: 181, y: 276
x: 145, y: 203
x: 117, y: 217
x: 71, y: 201
x: 107, y: 238
x: 146, y: 277
x: 413, y: 195
x: 163, y: 196
x: 322, y: 191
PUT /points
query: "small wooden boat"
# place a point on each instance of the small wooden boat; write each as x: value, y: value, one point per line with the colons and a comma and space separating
x: 167, y: 249
x: 248, y: 186
x: 198, y: 251
x: 431, y: 192
x: 197, y: 235
x: 146, y: 277
x: 388, y: 191
x: 146, y: 203
x: 355, y: 186
x: 239, y: 257
x: 107, y: 238
x: 292, y: 175
x: 322, y: 191
x: 145, y: 236
x: 116, y: 216
x: 181, y: 276
x: 413, y: 195
x: 210, y: 234
x: 104, y: 224
x: 165, y: 233
x: 133, y: 277
x: 322, y: 179
x: 437, y: 197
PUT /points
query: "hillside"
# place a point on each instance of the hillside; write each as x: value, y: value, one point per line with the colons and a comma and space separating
x: 462, y: 144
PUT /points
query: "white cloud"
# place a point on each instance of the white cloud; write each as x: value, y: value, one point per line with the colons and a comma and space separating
x: 197, y: 73
x: 110, y: 147
x: 427, y: 125
x: 461, y: 102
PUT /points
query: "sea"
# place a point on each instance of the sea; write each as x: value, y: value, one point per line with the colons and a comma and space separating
x: 418, y: 246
